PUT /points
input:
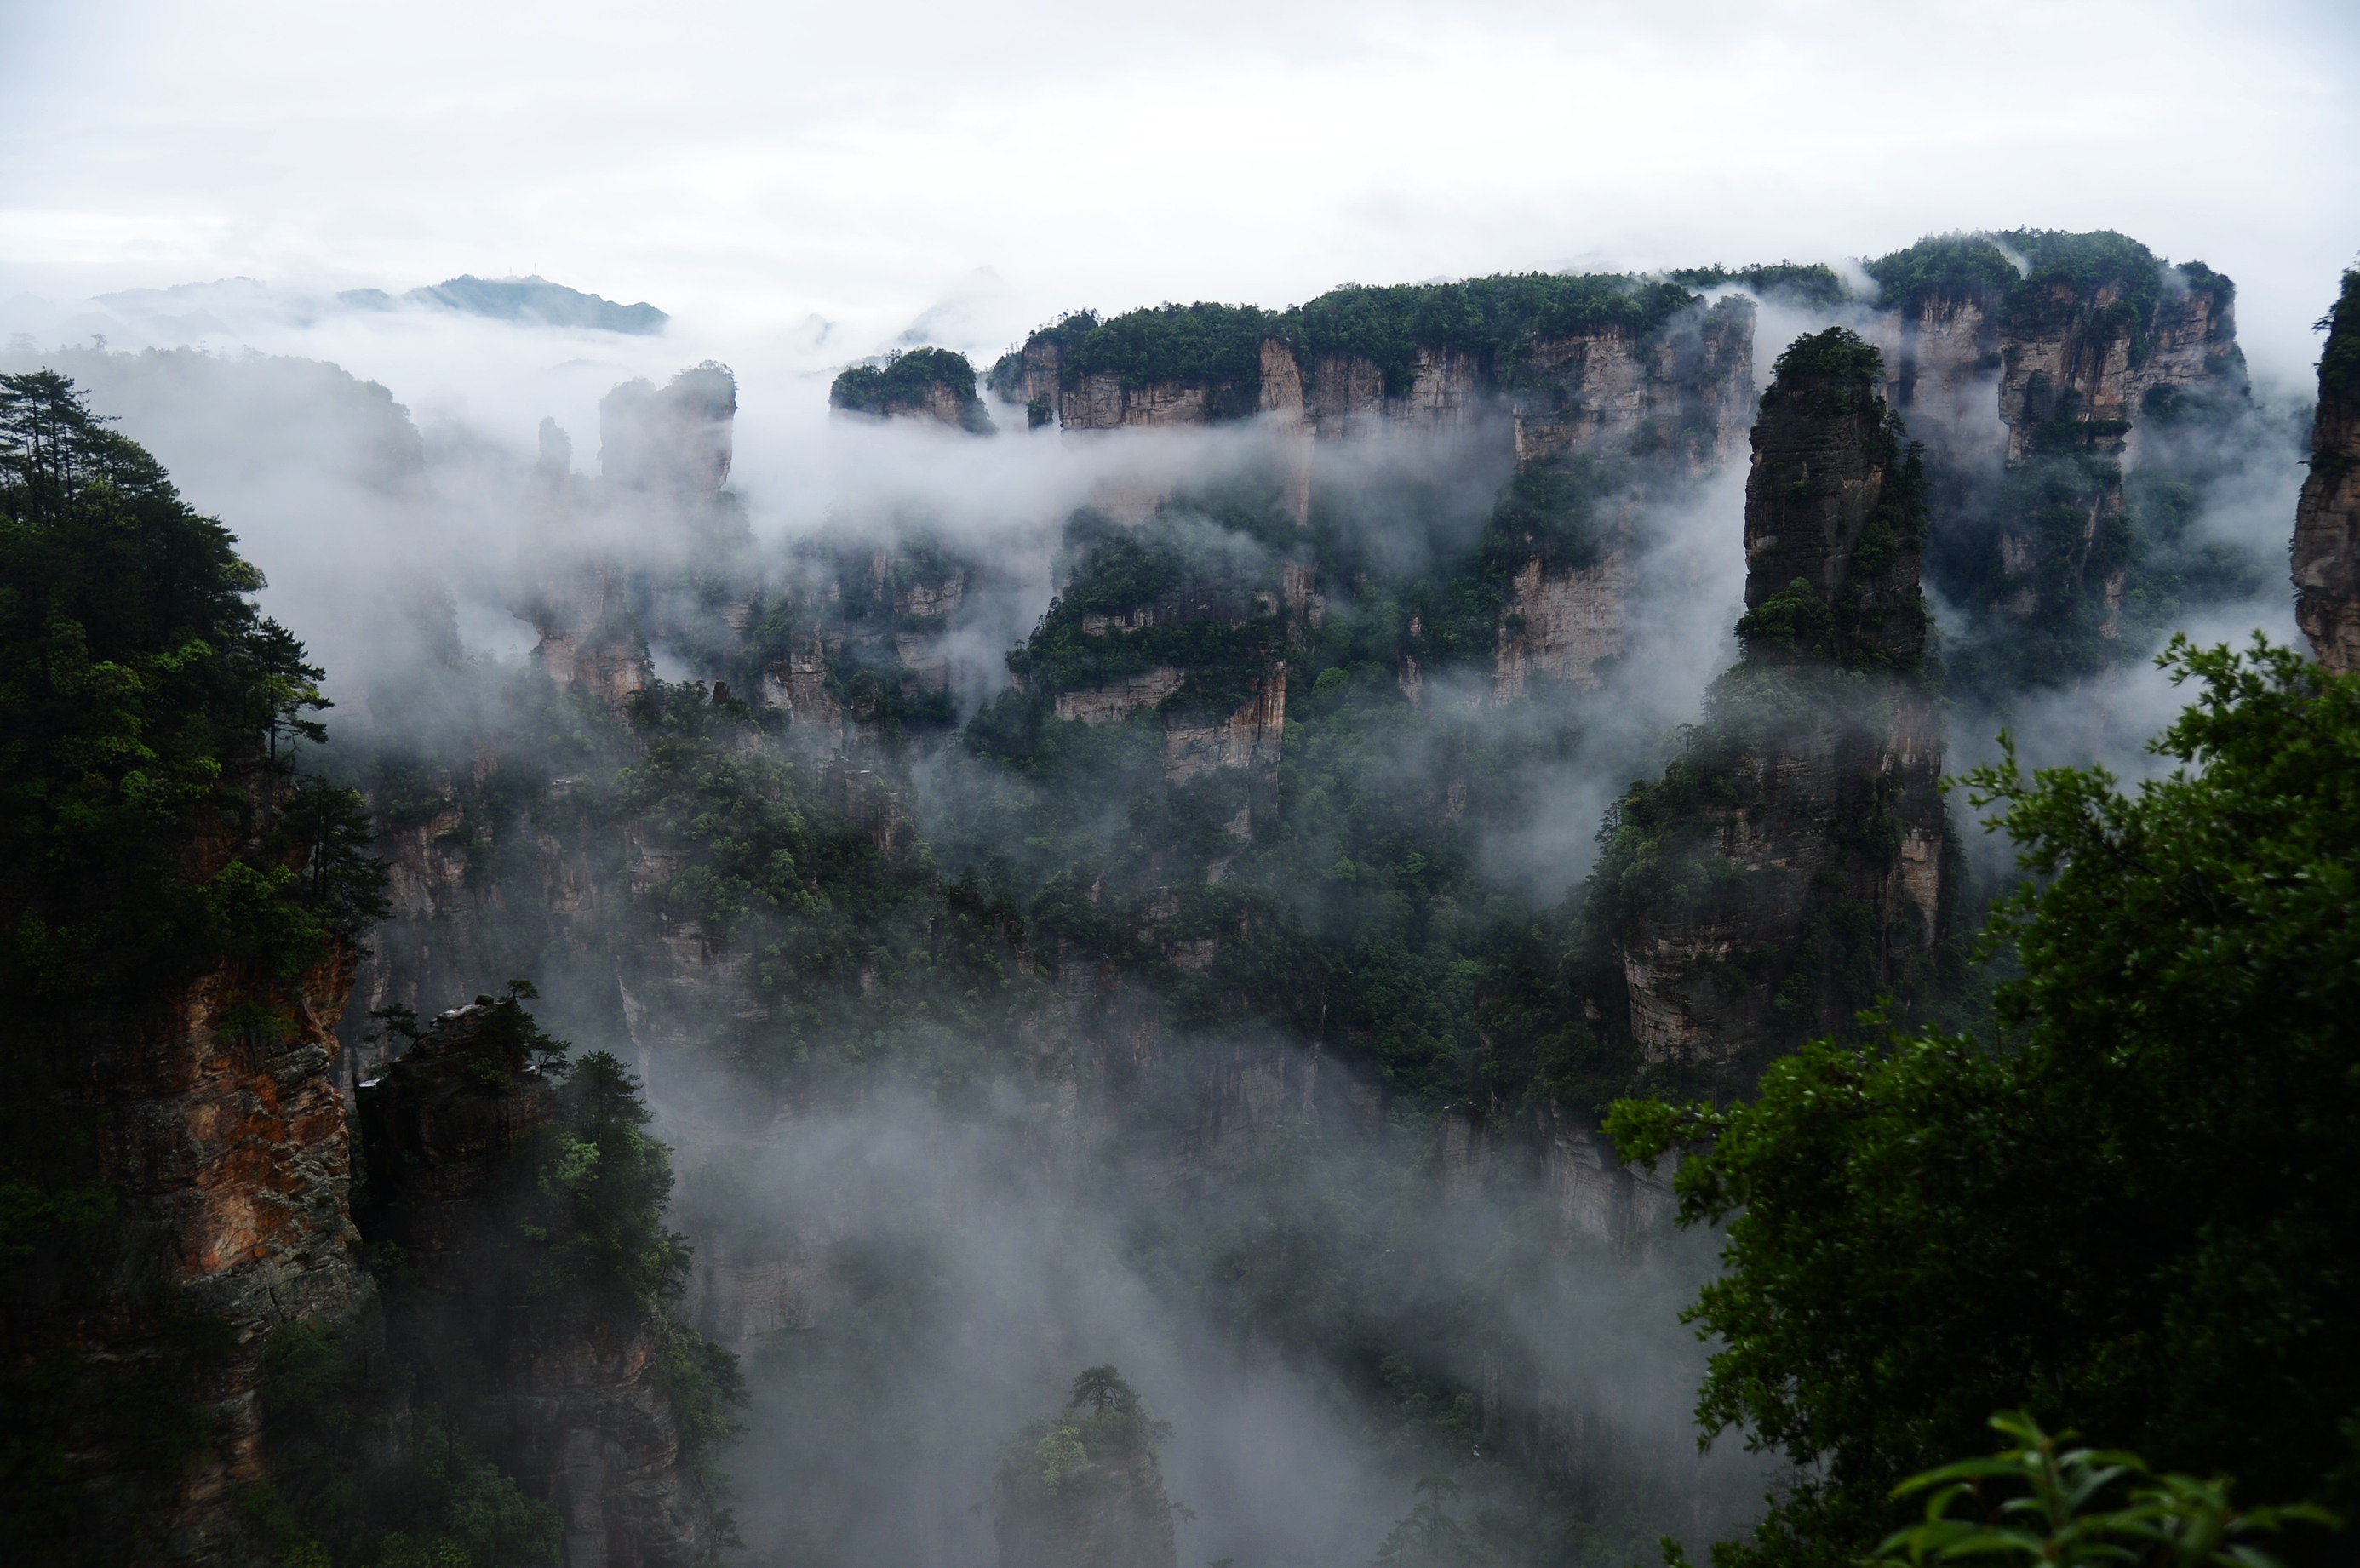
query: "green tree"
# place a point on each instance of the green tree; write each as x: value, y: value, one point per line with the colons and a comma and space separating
x: 2039, y: 1503
x: 2133, y: 1208
x: 1427, y: 1536
x: 144, y: 705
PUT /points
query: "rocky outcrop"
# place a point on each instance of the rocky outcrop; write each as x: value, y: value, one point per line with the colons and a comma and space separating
x: 2327, y: 519
x: 676, y: 439
x: 930, y: 385
x: 1106, y: 400
x: 221, y: 1149
x: 2090, y: 355
x: 1559, y: 626
x: 1250, y: 737
x: 589, y: 631
x: 1030, y: 377
x: 564, y: 1385
x: 1110, y: 1513
x: 2029, y: 364
x: 1789, y: 869
x: 1680, y: 392
x: 1345, y: 396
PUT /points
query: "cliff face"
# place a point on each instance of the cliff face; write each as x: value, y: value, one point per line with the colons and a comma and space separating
x: 1681, y: 392
x: 2327, y: 519
x: 1804, y: 821
x: 224, y: 1145
x: 1942, y: 356
x: 566, y: 1388
x: 1561, y: 624
x: 930, y: 385
x: 1345, y: 396
x: 674, y: 439
x: 2089, y: 356
x: 2029, y: 373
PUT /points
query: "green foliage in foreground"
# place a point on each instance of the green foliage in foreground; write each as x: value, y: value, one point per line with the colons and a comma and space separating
x: 152, y: 831
x: 2039, y: 1502
x: 2133, y: 1209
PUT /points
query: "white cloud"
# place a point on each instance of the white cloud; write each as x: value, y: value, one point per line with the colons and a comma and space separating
x: 747, y: 166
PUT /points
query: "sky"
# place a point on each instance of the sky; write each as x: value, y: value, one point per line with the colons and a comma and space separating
x: 810, y: 182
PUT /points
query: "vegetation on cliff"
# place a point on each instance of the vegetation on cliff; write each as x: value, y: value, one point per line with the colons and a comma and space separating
x: 1945, y: 266
x: 1081, y: 1489
x: 911, y: 382
x: 154, y: 841
x: 147, y: 709
x: 2339, y: 359
x: 1809, y: 283
x: 1141, y: 599
x: 1493, y: 321
x: 2117, y: 1207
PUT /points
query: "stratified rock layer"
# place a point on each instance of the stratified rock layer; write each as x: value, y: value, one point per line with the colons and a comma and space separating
x: 2327, y: 519
x: 1805, y: 812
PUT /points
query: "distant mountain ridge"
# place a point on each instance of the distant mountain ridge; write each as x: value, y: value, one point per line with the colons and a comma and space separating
x: 534, y: 299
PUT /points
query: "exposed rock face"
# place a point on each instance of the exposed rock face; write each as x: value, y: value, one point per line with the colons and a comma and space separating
x: 1942, y: 357
x: 677, y: 440
x: 1105, y: 402
x: 1561, y: 624
x: 1193, y: 742
x: 1345, y: 396
x: 930, y: 385
x: 1833, y: 502
x: 224, y: 1147
x: 2327, y: 519
x: 2030, y: 392
x: 449, y: 1131
x: 2071, y: 355
x: 590, y: 635
x: 1670, y: 405
x: 1818, y: 852
x: 1030, y: 375
x: 1683, y: 392
x: 1249, y: 737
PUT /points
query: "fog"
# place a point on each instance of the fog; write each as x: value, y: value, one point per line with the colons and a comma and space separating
x: 914, y: 1261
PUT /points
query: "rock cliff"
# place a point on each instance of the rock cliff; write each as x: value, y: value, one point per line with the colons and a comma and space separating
x: 1787, y: 869
x: 926, y: 384
x: 2327, y: 519
x: 2029, y: 364
x: 221, y: 1145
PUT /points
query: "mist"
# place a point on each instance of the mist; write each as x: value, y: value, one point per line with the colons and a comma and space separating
x: 918, y: 1230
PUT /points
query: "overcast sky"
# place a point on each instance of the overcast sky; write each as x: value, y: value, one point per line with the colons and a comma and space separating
x: 751, y: 168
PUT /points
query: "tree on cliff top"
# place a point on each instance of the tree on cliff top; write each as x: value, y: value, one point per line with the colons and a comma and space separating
x: 906, y: 381
x: 2132, y: 1210
x: 146, y: 711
